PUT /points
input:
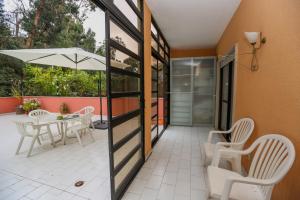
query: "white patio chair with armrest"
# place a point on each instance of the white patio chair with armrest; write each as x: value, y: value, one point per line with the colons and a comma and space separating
x: 80, y: 125
x: 29, y: 129
x: 240, y: 133
x: 39, y: 114
x: 273, y: 157
x: 87, y: 110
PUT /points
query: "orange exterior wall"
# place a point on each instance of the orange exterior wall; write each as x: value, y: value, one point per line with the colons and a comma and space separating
x: 185, y: 53
x: 52, y: 104
x: 271, y: 95
x: 8, y: 104
x: 147, y: 78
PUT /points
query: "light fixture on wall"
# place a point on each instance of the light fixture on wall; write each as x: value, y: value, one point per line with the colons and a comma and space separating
x: 255, y: 39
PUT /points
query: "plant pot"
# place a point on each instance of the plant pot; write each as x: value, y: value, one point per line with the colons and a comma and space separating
x: 19, y: 110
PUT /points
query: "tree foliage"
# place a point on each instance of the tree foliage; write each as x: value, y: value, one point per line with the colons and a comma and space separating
x: 58, y: 81
x: 45, y: 24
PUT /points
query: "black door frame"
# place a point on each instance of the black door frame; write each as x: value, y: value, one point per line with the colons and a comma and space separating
x: 112, y: 13
x: 166, y: 85
x: 229, y: 101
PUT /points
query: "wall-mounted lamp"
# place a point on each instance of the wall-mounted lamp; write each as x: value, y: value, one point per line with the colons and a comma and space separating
x: 255, y: 39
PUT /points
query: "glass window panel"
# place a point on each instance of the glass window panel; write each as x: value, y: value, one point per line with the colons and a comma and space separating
x: 154, y: 62
x: 124, y: 61
x: 161, y: 52
x: 154, y: 74
x: 153, y: 30
x: 154, y: 85
x: 123, y: 173
x: 153, y: 122
x: 138, y: 4
x: 154, y: 133
x: 120, y: 36
x: 161, y: 41
x: 121, y: 153
x: 124, y: 105
x: 160, y: 83
x: 154, y: 44
x: 122, y: 130
x: 154, y: 111
x: 167, y: 49
x: 154, y: 97
x: 128, y: 12
x: 181, y: 67
x: 124, y: 83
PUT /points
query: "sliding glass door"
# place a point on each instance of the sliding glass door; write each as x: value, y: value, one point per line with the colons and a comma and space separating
x: 160, y: 84
x: 193, y: 91
x: 124, y: 50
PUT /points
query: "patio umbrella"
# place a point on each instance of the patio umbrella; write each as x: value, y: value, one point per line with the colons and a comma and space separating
x: 75, y: 58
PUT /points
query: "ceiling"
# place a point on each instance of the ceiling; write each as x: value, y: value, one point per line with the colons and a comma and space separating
x: 193, y: 24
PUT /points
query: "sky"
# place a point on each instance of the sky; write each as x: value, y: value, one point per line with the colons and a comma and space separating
x: 95, y: 20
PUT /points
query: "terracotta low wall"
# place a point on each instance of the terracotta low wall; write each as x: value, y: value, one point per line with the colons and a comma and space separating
x: 8, y: 104
x: 52, y: 104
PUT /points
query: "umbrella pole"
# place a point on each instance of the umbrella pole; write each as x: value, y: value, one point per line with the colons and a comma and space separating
x: 100, y: 124
x: 100, y: 86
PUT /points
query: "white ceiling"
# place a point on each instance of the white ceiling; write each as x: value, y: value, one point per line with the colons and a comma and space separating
x: 193, y: 23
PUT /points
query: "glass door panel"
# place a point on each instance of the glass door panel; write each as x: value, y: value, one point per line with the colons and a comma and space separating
x: 125, y: 104
x: 203, y: 91
x: 181, y: 92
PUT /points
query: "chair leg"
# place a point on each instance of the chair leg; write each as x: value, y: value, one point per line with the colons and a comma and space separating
x: 92, y: 124
x: 58, y: 128
x: 78, y: 137
x: 39, y: 141
x: 31, y: 146
x: 51, y: 136
x: 20, y: 144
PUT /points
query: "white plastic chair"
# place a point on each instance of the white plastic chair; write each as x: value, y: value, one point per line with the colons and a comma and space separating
x: 29, y: 129
x: 240, y: 133
x: 89, y: 110
x: 39, y: 114
x: 273, y: 157
x: 79, y: 126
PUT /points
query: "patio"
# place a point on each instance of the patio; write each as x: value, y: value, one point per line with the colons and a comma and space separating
x: 50, y: 173
x: 173, y: 171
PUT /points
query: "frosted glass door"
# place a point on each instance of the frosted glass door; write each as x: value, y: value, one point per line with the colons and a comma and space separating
x: 181, y: 92
x: 203, y: 91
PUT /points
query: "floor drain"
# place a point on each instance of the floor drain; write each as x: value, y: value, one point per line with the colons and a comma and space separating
x: 79, y: 183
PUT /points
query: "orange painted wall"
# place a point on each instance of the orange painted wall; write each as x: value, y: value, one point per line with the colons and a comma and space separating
x: 8, y: 104
x: 271, y: 96
x: 52, y: 104
x: 147, y: 78
x: 185, y: 53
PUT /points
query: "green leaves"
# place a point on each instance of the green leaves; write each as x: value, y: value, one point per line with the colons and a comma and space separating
x: 57, y: 81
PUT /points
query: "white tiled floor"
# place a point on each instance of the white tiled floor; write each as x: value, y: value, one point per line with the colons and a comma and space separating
x: 50, y: 173
x: 175, y: 169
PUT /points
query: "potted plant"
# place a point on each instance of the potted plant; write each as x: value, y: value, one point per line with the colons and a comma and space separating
x: 64, y: 109
x: 15, y: 90
x: 31, y: 104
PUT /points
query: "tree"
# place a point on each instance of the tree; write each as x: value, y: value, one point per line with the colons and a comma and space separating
x: 49, y: 23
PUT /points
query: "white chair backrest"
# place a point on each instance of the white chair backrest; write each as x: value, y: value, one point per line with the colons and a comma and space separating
x: 241, y: 131
x: 274, y: 156
x: 89, y: 109
x: 86, y: 110
x: 21, y: 126
x: 38, y: 114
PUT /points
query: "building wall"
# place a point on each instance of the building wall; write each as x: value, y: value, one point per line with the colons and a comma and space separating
x: 147, y: 78
x: 8, y: 104
x: 271, y: 95
x: 184, y: 53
